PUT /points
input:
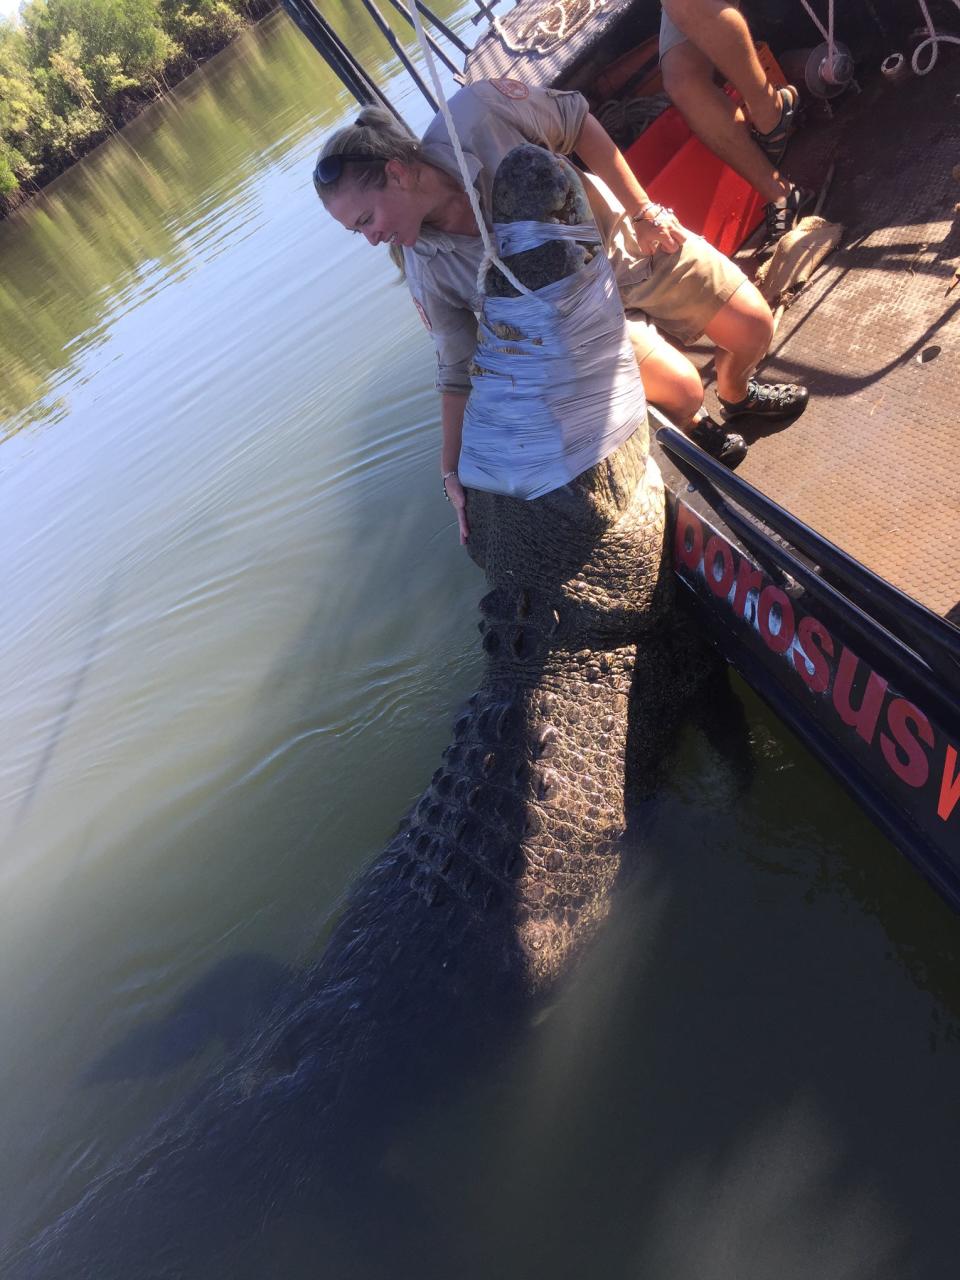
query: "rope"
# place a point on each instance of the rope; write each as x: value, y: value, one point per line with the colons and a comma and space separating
x: 934, y: 40
x: 825, y: 31
x: 490, y: 255
x: 626, y: 118
x: 555, y: 23
x: 816, y: 21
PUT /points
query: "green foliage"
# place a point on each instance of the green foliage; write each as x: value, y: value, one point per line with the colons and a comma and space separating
x: 73, y: 69
x: 22, y: 112
x: 201, y: 24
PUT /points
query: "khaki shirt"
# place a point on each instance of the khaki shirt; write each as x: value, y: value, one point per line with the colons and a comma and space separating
x: 492, y: 117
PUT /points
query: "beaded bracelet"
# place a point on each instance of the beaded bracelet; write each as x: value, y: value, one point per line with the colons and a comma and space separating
x: 660, y: 211
x: 641, y: 214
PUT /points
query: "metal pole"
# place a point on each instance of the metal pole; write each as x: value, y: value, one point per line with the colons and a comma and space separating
x: 432, y: 17
x: 387, y: 32
x: 329, y: 45
x: 486, y: 10
x: 402, y: 9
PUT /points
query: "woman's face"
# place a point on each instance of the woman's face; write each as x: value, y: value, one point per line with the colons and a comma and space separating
x: 390, y: 214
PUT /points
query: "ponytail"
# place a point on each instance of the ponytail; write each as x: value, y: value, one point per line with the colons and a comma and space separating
x: 374, y: 138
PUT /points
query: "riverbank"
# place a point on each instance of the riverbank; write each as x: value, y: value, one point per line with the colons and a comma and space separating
x: 72, y: 76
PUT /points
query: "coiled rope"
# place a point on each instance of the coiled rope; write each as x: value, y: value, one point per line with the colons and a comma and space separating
x: 554, y: 23
x: 934, y: 40
x: 626, y: 118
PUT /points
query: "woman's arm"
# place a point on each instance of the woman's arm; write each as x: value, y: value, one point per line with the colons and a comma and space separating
x: 452, y: 407
x: 656, y: 228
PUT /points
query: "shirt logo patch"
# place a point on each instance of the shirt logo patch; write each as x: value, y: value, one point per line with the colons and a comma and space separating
x: 423, y: 315
x: 515, y: 89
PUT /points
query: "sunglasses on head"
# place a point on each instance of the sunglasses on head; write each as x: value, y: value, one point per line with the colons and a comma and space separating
x: 329, y: 168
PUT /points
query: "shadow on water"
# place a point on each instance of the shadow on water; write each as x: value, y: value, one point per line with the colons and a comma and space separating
x: 99, y: 621
x: 223, y: 1007
x: 728, y: 1084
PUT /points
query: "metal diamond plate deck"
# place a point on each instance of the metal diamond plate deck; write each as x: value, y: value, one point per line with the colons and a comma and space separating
x: 872, y: 464
x: 492, y: 56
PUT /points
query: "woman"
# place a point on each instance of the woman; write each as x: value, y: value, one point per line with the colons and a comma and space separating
x: 379, y: 181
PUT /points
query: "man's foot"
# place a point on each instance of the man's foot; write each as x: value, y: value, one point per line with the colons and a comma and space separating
x: 774, y: 143
x: 726, y: 446
x: 784, y: 214
x: 770, y: 400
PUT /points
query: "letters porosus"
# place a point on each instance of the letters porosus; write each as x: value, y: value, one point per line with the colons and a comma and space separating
x: 907, y: 741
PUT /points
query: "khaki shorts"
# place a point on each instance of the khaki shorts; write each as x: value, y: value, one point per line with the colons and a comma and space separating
x: 683, y: 292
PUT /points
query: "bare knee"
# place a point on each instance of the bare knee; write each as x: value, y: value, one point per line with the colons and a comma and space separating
x: 686, y: 73
x: 757, y: 319
x: 672, y: 383
x: 755, y: 330
x: 744, y: 324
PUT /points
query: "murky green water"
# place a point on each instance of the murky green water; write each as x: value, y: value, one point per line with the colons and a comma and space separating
x: 236, y: 627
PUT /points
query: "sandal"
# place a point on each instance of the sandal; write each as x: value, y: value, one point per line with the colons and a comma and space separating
x: 770, y: 400
x: 783, y: 215
x: 726, y: 446
x: 774, y: 143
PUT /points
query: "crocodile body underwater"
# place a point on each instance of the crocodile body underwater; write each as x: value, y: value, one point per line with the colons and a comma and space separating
x: 497, y: 876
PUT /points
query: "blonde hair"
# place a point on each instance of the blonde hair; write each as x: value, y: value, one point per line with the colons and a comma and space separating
x: 375, y: 138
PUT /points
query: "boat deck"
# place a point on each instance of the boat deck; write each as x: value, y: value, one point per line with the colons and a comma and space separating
x: 872, y: 464
x: 569, y: 61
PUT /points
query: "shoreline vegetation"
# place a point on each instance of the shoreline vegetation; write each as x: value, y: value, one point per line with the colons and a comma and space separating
x: 73, y: 72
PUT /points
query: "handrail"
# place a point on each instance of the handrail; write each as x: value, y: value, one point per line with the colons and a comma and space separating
x: 336, y: 54
x: 485, y: 10
x: 388, y: 33
x: 441, y: 27
x: 931, y: 639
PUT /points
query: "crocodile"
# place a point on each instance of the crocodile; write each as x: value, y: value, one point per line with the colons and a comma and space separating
x: 495, y: 879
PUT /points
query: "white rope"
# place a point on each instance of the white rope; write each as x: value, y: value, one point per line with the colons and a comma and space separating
x: 816, y: 21
x: 825, y: 31
x: 934, y: 40
x: 490, y: 254
x: 539, y: 35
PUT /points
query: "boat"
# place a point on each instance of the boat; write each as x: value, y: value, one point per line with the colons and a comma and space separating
x: 827, y: 567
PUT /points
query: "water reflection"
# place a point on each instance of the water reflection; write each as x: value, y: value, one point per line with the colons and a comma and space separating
x: 112, y: 230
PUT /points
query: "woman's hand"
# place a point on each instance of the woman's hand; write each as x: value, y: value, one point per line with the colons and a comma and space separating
x: 458, y: 500
x: 658, y: 230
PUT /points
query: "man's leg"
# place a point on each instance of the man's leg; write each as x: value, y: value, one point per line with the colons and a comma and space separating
x: 712, y: 115
x: 695, y: 37
x: 720, y: 32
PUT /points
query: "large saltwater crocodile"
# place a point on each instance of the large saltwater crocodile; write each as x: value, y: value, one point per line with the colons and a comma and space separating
x: 497, y: 875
